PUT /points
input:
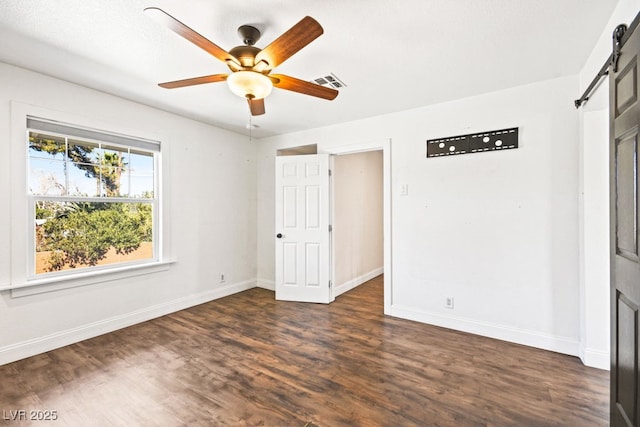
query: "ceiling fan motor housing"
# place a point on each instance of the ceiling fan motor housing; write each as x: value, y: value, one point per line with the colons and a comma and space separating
x: 245, y: 54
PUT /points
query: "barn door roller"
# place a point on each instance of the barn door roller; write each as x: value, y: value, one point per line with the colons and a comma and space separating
x: 612, y: 61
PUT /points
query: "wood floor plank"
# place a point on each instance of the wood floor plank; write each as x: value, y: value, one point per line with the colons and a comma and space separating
x: 249, y: 360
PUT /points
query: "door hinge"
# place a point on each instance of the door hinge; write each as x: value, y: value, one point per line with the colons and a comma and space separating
x: 329, y: 284
x: 329, y: 172
x: 330, y: 228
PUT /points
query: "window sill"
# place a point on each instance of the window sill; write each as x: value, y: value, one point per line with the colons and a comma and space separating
x: 57, y: 283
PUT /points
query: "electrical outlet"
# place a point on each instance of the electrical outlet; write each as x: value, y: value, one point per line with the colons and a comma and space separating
x: 448, y: 302
x: 221, y: 277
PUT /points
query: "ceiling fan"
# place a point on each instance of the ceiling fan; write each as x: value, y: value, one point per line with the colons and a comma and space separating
x: 250, y: 66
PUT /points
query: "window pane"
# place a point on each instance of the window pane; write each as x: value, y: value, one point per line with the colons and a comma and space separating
x: 113, y: 164
x: 112, y: 182
x: 47, y: 177
x: 142, y: 187
x: 72, y: 235
x: 85, y: 180
x: 46, y: 164
x: 141, y: 174
x: 46, y: 146
x: 84, y: 152
x: 84, y: 169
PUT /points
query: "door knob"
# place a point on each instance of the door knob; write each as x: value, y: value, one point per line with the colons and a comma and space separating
x: 279, y: 235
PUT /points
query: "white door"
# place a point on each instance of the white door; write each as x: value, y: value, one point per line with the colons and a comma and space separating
x: 302, y: 228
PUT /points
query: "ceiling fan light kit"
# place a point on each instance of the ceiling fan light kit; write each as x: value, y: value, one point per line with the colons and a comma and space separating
x: 250, y: 66
x: 250, y: 84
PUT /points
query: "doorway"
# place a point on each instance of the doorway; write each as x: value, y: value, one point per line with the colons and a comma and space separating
x: 336, y: 149
x: 384, y: 146
x: 357, y: 201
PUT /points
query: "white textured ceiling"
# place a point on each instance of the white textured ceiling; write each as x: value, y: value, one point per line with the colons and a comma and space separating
x: 392, y: 54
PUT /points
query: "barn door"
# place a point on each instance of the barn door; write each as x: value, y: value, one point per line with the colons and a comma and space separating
x: 302, y: 228
x: 625, y: 257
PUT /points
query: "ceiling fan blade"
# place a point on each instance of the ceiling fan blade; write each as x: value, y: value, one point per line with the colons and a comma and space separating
x: 194, y: 81
x: 256, y: 106
x: 182, y: 30
x: 297, y: 37
x: 301, y: 86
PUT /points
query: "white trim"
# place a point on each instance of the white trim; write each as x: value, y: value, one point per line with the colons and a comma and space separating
x: 29, y: 348
x: 56, y: 283
x: 332, y: 220
x: 47, y: 126
x: 353, y: 283
x: 21, y: 279
x: 383, y: 144
x: 526, y: 337
x: 266, y: 284
x: 595, y: 358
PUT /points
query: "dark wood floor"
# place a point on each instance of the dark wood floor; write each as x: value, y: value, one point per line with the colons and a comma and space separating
x: 250, y: 360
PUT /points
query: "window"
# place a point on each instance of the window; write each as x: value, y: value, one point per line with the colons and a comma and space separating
x: 92, y: 199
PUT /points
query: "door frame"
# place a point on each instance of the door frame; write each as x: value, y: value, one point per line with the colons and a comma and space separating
x: 384, y: 145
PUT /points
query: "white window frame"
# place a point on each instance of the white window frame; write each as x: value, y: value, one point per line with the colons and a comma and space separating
x: 24, y: 281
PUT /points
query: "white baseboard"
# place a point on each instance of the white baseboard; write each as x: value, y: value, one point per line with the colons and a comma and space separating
x: 347, y: 286
x: 266, y: 284
x: 340, y: 289
x: 595, y: 358
x: 530, y: 338
x: 29, y: 348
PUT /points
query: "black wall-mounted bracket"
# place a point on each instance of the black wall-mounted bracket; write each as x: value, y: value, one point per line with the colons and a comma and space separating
x: 503, y: 139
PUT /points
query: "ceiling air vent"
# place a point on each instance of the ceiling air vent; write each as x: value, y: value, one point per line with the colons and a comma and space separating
x: 330, y: 80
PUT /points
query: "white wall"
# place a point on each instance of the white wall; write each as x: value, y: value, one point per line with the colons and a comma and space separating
x: 594, y: 197
x: 210, y: 184
x: 497, y: 231
x: 357, y: 219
